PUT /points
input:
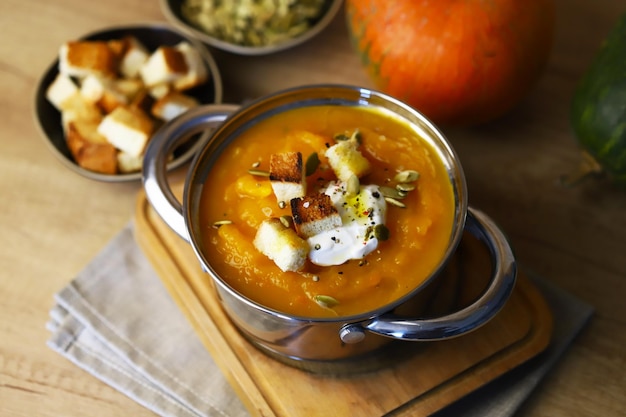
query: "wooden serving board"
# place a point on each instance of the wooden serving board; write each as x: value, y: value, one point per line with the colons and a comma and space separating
x: 428, y: 377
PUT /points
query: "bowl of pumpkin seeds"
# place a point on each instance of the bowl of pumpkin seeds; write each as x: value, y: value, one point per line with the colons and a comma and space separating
x: 251, y: 27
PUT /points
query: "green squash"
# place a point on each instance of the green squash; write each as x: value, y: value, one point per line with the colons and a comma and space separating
x: 598, y: 111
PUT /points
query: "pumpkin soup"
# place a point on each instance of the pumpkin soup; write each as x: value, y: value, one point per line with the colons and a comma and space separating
x: 326, y: 211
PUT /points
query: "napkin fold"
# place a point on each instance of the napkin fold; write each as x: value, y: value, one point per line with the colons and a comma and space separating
x: 116, y: 321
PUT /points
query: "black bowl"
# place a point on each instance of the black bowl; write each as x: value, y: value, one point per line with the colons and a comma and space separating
x: 151, y: 35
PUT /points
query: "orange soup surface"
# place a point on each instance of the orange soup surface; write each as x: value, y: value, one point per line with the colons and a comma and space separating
x: 235, y: 202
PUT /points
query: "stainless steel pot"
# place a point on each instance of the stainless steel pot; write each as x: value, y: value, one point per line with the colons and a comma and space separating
x: 301, y: 340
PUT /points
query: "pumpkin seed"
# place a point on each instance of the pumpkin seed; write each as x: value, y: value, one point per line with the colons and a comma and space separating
x: 381, y: 232
x: 395, y: 202
x: 391, y: 192
x: 220, y: 223
x: 408, y: 175
x: 325, y: 301
x: 259, y: 172
x: 312, y: 162
x: 286, y: 220
x: 404, y: 187
x: 353, y: 185
x: 256, y: 164
x: 282, y: 204
x: 356, y: 136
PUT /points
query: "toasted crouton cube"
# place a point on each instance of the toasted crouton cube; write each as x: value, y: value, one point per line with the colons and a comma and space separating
x: 159, y: 90
x: 196, y: 70
x: 127, y: 128
x: 77, y: 108
x: 281, y: 244
x: 60, y: 90
x: 172, y: 105
x: 81, y: 58
x: 287, y: 175
x: 129, y: 87
x: 133, y: 58
x: 314, y: 214
x: 346, y: 160
x: 164, y: 66
x: 111, y: 99
x: 89, y: 149
x: 143, y: 101
x: 129, y: 163
x: 117, y: 46
x: 103, y: 92
x: 92, y: 88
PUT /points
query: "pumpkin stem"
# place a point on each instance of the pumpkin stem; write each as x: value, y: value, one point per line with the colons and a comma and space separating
x: 588, y: 167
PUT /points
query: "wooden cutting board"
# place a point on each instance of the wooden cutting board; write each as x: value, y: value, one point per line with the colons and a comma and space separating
x: 426, y: 377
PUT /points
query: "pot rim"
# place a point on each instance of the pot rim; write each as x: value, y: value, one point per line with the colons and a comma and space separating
x: 320, y: 94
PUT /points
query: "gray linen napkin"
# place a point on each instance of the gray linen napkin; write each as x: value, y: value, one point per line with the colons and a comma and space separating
x: 117, y: 321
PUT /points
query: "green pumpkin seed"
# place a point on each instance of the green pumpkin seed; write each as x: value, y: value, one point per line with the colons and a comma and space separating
x: 312, y: 162
x: 220, y: 223
x: 395, y: 202
x: 355, y: 136
x: 381, y: 232
x: 405, y: 187
x: 391, y: 192
x: 259, y: 172
x: 286, y: 220
x: 325, y: 301
x: 408, y: 175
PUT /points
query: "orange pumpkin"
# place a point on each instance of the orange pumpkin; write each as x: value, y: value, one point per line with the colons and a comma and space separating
x: 460, y: 62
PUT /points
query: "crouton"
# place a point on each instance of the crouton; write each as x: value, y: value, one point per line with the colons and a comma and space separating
x: 287, y: 175
x: 81, y: 58
x: 346, y: 160
x: 103, y: 92
x: 164, y: 65
x: 92, y: 88
x: 129, y: 163
x: 143, y: 100
x: 60, y: 90
x: 128, y: 129
x: 172, y: 105
x: 281, y: 244
x: 90, y: 149
x: 133, y: 58
x: 196, y: 70
x: 314, y: 214
x: 111, y: 99
x: 77, y: 108
x: 129, y: 87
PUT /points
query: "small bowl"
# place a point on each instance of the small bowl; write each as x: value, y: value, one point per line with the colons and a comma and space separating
x: 172, y: 9
x: 152, y: 35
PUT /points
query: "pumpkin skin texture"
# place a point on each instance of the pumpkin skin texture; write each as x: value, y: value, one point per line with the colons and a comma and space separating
x: 598, y: 111
x: 459, y: 62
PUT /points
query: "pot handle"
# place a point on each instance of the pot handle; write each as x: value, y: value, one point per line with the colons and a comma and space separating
x: 156, y: 186
x: 462, y: 321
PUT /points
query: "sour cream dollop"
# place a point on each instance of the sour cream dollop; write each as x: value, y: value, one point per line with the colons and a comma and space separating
x: 355, y: 239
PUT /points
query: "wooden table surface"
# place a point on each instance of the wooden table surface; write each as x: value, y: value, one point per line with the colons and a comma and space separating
x: 54, y: 222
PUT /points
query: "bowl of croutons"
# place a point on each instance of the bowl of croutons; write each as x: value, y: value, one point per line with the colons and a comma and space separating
x: 108, y: 92
x: 251, y: 28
